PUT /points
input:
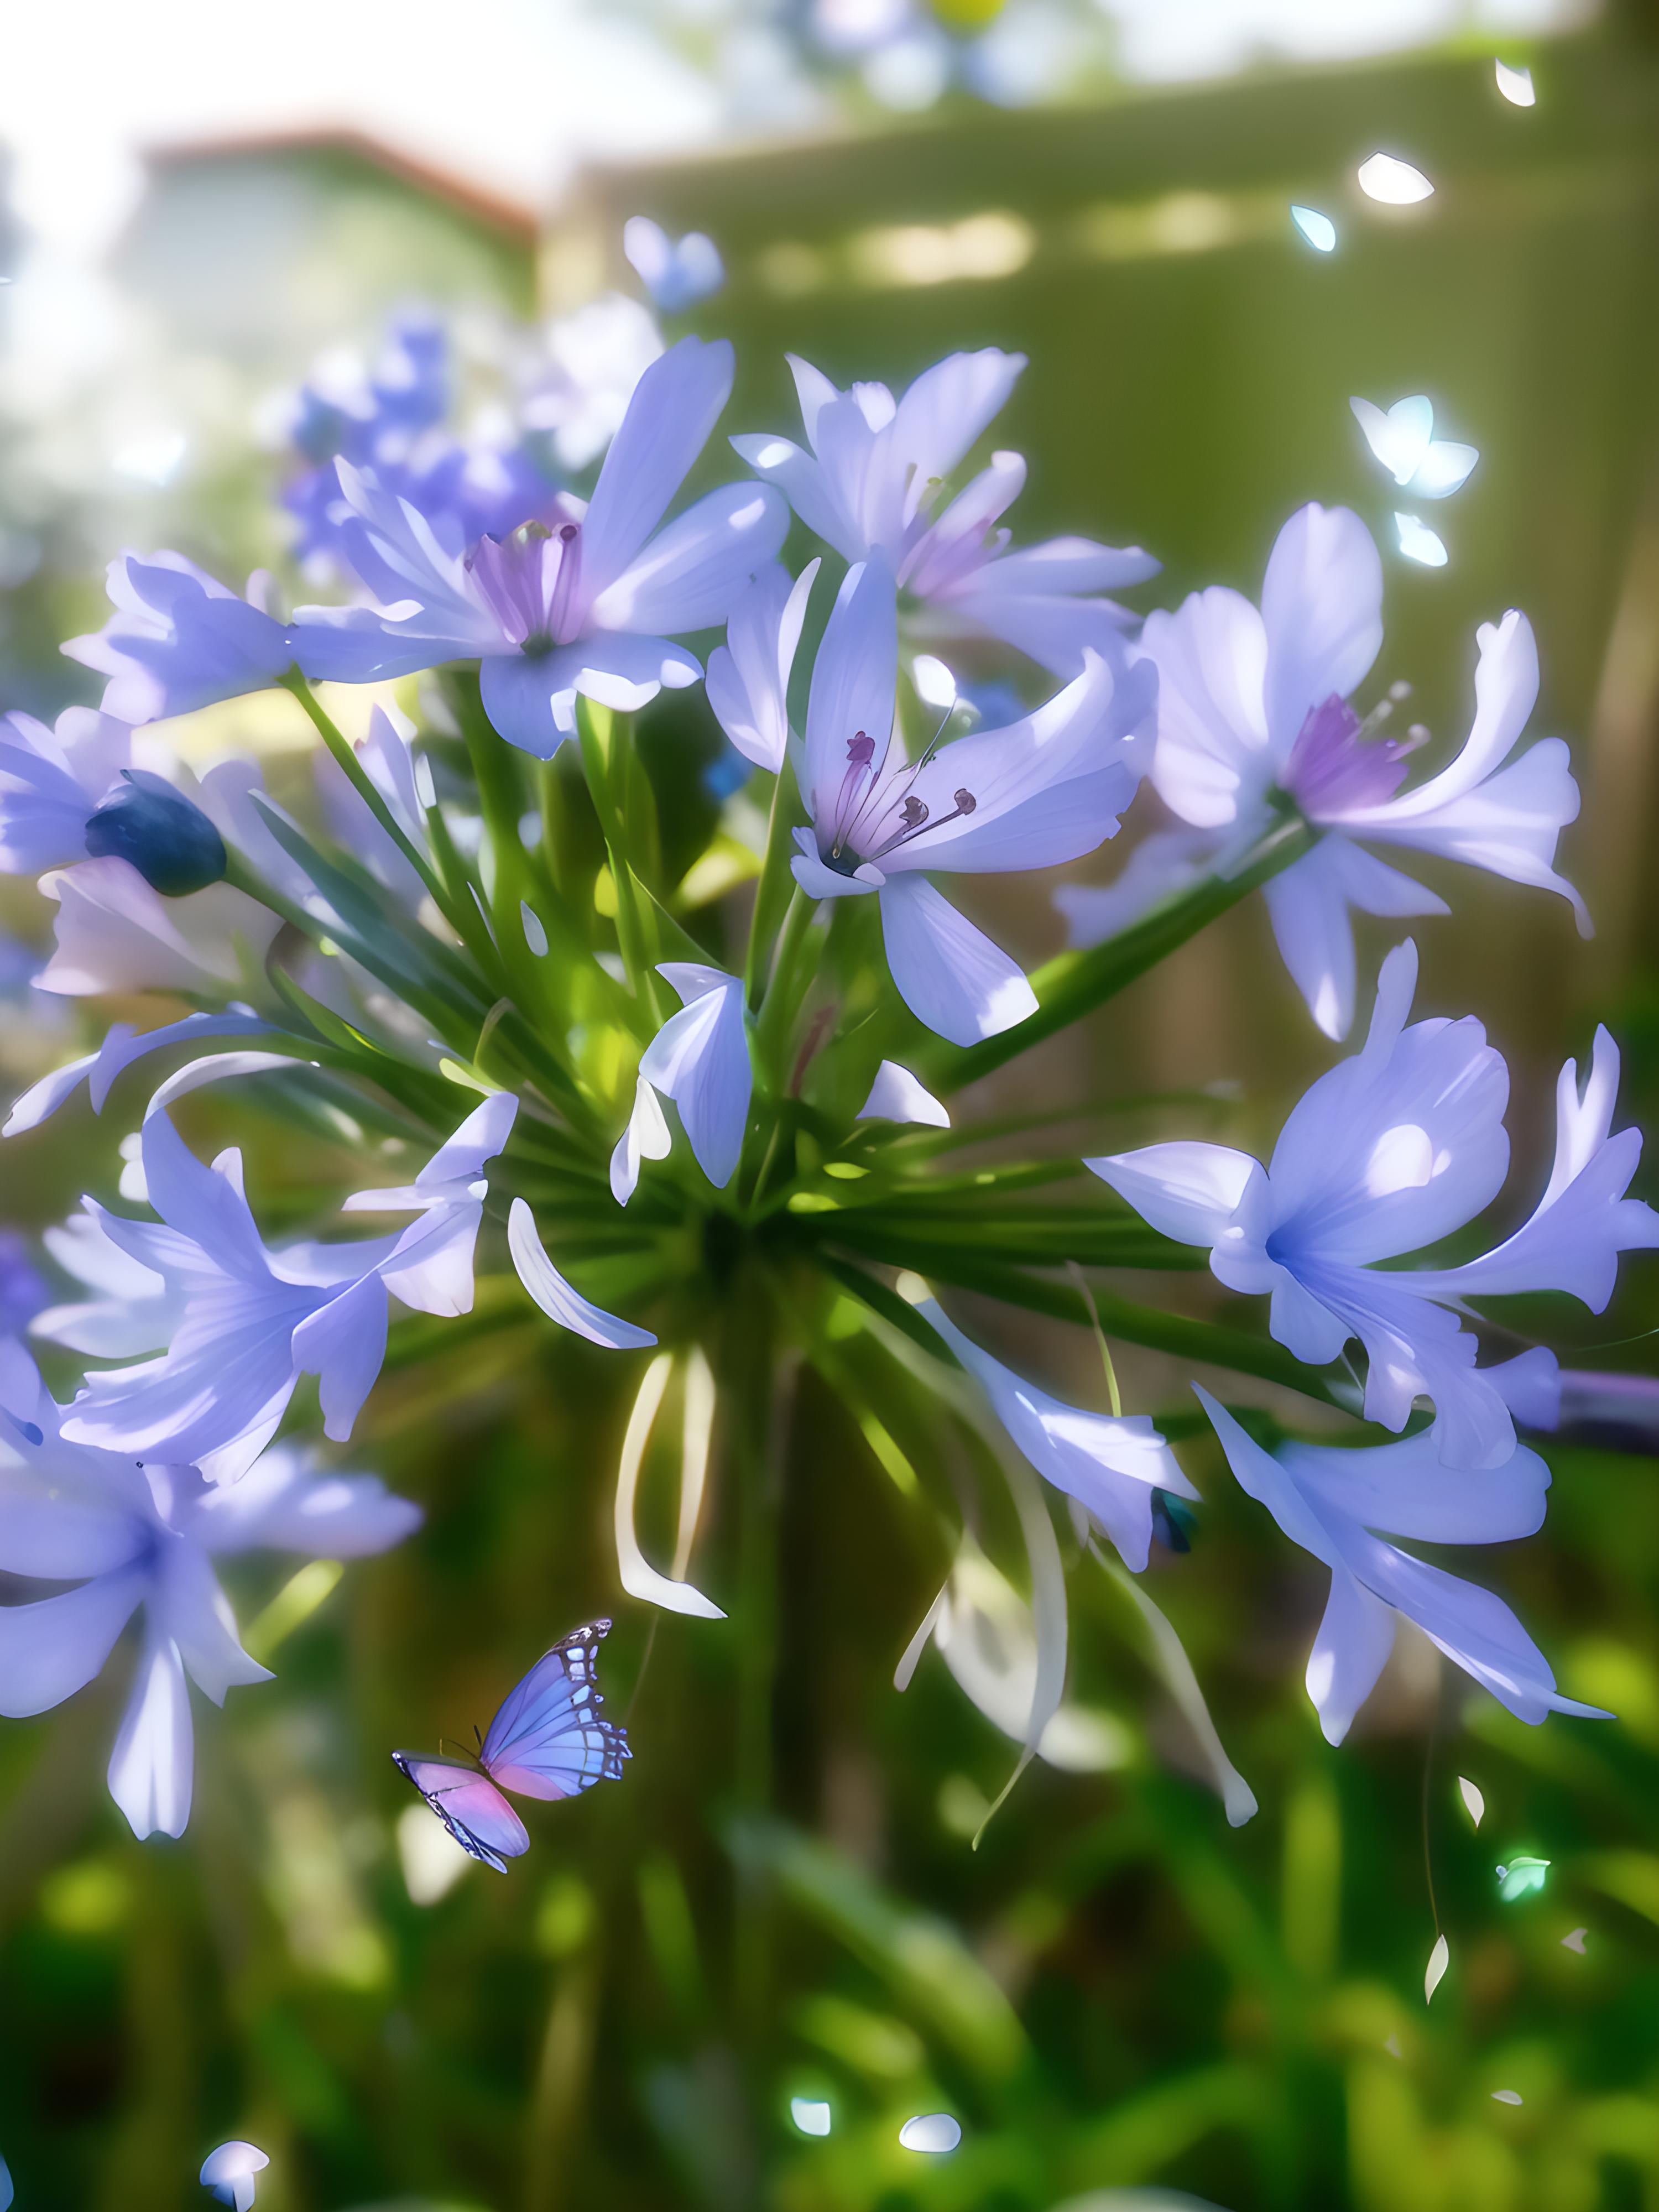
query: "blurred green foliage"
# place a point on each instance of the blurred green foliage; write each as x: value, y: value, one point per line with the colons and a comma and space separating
x: 1115, y: 1988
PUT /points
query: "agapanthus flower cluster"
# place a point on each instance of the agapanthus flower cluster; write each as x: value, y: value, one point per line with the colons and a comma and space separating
x: 649, y: 1102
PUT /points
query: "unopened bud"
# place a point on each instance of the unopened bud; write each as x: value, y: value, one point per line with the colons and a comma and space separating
x: 168, y: 839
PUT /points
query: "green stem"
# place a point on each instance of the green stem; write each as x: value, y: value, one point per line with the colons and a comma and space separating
x: 782, y: 999
x: 596, y: 730
x: 1075, y: 983
x: 548, y: 799
x: 757, y: 1389
x: 345, y: 753
x: 771, y: 888
x: 1195, y: 1343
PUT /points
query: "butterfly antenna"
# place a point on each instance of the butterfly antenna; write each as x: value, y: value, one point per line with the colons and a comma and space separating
x: 480, y: 1739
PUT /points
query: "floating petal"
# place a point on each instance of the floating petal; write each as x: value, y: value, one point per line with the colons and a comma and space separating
x: 1506, y: 2096
x: 1576, y: 1940
x: 1395, y: 183
x: 934, y: 2132
x: 1439, y: 1959
x: 1445, y: 468
x: 1418, y: 543
x: 639, y: 1578
x: 534, y: 935
x: 1318, y: 229
x: 1517, y: 87
x: 556, y: 1297
x: 1400, y: 436
x: 936, y: 687
x: 897, y: 1096
x: 810, y: 2115
x: 1521, y: 1878
x: 1472, y: 1798
x: 228, y: 2171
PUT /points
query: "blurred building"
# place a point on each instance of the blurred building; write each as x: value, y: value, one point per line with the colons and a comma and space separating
x: 265, y: 251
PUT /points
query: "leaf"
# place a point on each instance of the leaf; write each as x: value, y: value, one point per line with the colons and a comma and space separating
x: 1074, y: 983
x: 1170, y: 1656
x: 1206, y: 1343
x: 1047, y: 1615
x: 1475, y: 1803
x: 639, y: 1578
x: 1439, y: 1959
x: 930, y: 1971
x: 870, y: 1291
x: 365, y: 930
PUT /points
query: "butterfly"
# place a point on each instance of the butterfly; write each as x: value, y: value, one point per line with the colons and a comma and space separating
x: 547, y: 1741
x: 1403, y: 439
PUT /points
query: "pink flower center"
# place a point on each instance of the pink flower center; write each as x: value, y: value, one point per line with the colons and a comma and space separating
x: 1336, y: 767
x: 529, y: 581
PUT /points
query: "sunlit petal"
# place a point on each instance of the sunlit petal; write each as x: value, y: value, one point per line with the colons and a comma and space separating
x: 1318, y: 229
x: 1385, y: 176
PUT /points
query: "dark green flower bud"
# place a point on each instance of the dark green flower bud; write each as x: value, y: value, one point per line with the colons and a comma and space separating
x: 167, y: 838
x: 1174, y: 1522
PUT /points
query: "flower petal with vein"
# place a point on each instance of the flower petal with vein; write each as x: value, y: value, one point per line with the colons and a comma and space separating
x: 1333, y: 1502
x: 133, y: 1539
x: 873, y: 483
x: 1045, y: 789
x: 1253, y: 716
x: 1392, y: 1151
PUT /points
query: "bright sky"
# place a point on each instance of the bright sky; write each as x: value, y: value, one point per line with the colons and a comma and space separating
x: 512, y: 94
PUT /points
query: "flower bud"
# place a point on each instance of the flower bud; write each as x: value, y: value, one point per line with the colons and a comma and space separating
x: 165, y: 835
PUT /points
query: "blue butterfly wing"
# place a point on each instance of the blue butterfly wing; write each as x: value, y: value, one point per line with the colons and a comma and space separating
x: 548, y: 1739
x: 470, y: 1806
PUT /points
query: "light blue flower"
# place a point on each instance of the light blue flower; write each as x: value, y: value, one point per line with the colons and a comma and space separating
x: 389, y: 416
x: 1331, y: 1501
x: 748, y: 678
x: 1390, y: 1151
x: 1047, y: 788
x: 871, y: 485
x: 1255, y: 704
x: 121, y: 1047
x: 179, y: 640
x: 584, y: 605
x: 52, y: 781
x: 251, y: 1321
x: 1113, y: 1466
x: 134, y: 1539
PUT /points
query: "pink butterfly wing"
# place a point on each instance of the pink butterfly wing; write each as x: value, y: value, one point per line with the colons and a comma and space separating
x: 470, y: 1806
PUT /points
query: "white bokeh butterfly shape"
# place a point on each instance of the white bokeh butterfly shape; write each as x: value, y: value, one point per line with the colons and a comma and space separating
x: 1402, y: 439
x: 1420, y: 543
x: 1395, y: 183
